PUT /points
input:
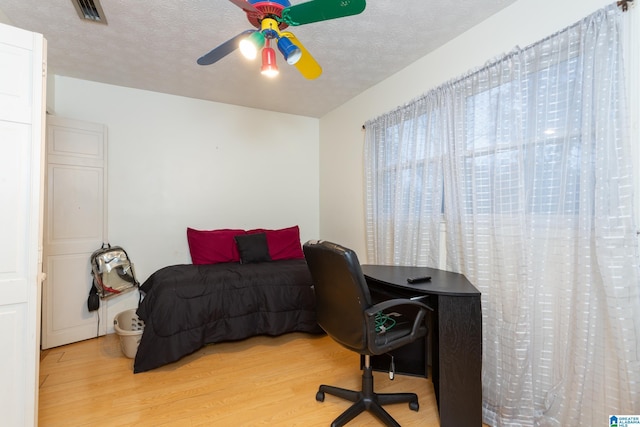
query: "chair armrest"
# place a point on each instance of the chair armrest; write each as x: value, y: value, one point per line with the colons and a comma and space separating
x: 384, y: 305
x: 371, y: 311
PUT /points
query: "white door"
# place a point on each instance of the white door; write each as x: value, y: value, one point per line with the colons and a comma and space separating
x: 22, y: 71
x: 75, y: 226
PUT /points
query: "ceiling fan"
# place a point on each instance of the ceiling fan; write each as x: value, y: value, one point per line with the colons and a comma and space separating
x: 271, y: 18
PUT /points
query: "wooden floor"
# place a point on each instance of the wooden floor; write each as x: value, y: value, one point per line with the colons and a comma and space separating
x: 261, y: 381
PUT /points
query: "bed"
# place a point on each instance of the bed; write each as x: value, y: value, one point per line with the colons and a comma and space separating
x: 188, y: 306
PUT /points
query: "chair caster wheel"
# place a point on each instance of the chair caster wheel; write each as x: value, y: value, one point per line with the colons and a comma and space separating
x: 414, y: 406
x: 320, y: 396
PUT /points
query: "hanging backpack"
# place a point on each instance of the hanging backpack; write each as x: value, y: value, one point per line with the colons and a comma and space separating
x: 112, y: 273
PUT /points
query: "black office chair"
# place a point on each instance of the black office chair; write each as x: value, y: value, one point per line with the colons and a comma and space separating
x: 345, y: 311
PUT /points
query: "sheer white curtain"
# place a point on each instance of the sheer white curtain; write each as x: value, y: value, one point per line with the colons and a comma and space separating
x: 528, y: 162
x: 404, y: 151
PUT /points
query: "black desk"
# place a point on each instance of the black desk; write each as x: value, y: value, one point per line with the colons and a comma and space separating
x: 456, y: 331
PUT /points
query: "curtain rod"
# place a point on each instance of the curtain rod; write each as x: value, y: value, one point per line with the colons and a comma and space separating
x: 624, y: 4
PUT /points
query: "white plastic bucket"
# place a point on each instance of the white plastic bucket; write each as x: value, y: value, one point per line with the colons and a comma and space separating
x: 129, y: 328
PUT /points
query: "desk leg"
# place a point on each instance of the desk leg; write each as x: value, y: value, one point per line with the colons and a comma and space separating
x: 457, y: 366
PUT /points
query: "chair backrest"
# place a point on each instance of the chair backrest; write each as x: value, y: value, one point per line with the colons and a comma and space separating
x: 342, y: 294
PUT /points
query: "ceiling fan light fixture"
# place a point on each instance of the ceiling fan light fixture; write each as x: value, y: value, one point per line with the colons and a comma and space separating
x: 269, y: 28
x: 250, y: 45
x: 269, y: 66
x: 271, y: 18
x: 289, y: 50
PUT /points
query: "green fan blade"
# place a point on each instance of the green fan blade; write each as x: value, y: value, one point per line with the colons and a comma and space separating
x: 321, y: 10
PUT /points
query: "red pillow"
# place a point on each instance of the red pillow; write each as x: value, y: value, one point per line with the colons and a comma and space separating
x: 213, y: 246
x: 283, y: 243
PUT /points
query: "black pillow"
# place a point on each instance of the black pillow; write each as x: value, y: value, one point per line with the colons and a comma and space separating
x: 252, y: 248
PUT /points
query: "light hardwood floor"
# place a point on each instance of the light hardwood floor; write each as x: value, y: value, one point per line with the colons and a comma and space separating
x: 262, y: 381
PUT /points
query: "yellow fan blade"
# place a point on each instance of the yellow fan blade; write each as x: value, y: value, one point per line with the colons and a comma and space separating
x: 307, y: 65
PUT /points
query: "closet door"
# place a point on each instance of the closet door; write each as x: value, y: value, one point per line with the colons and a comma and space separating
x: 22, y: 71
x: 75, y: 226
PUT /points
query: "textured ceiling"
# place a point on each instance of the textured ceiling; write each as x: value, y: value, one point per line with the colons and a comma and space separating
x: 153, y: 45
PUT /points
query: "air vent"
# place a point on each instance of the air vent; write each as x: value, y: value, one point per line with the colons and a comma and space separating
x: 90, y: 10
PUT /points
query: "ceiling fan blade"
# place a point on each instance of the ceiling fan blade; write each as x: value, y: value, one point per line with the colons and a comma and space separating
x: 247, y: 7
x: 224, y: 49
x: 306, y: 65
x: 321, y: 10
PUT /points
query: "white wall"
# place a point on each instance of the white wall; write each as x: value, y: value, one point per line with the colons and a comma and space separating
x: 341, y: 136
x: 177, y: 162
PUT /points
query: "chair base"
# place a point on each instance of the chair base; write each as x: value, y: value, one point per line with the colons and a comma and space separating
x: 367, y: 400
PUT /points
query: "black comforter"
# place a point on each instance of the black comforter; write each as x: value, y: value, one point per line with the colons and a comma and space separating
x: 188, y: 306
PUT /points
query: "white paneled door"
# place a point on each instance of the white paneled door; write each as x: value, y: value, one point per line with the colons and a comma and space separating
x: 75, y: 226
x: 22, y: 89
